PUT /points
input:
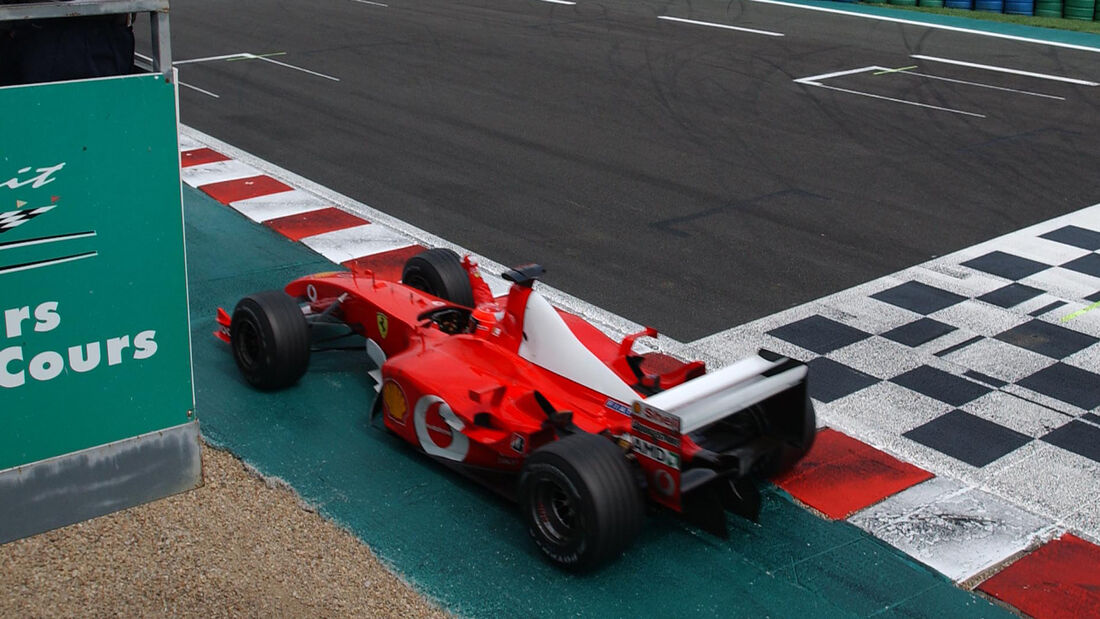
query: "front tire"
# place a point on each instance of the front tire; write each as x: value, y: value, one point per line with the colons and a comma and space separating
x: 439, y: 272
x: 270, y: 340
x: 580, y: 500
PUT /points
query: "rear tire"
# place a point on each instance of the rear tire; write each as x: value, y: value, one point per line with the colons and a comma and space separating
x: 439, y: 272
x: 270, y: 340
x: 580, y: 500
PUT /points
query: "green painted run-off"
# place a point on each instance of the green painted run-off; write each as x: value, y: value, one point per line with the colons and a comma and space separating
x: 466, y: 547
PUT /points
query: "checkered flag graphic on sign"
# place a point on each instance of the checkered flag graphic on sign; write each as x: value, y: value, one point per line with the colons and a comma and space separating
x: 13, y: 219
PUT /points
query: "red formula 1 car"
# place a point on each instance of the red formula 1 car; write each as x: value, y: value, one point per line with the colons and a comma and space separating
x: 576, y: 427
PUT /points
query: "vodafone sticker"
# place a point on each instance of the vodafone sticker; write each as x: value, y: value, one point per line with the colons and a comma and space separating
x: 438, y: 431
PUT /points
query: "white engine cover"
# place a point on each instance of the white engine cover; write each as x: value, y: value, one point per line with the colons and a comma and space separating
x: 550, y: 344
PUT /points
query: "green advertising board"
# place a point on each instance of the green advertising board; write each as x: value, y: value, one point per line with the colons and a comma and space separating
x: 94, y: 344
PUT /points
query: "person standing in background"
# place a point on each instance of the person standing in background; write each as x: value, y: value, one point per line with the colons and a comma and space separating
x: 65, y: 48
x: 7, y: 64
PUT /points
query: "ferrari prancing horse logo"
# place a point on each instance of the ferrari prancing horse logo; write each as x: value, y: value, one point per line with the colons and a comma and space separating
x: 383, y: 324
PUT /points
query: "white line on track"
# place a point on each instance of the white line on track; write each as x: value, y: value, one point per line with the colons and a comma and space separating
x: 911, y: 22
x: 205, y: 92
x: 815, y: 81
x: 914, y: 103
x: 724, y: 26
x: 176, y: 63
x: 370, y: 3
x: 290, y: 66
x: 558, y: 1
x: 987, y: 67
x: 250, y: 56
x: 980, y: 85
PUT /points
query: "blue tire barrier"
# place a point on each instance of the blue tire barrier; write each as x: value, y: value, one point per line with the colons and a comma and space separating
x: 959, y: 4
x: 993, y: 6
x: 1020, y: 7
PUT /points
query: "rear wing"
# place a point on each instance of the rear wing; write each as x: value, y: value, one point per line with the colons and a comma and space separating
x: 711, y: 397
x: 705, y: 437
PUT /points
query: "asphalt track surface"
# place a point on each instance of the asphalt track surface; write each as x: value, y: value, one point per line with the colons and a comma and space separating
x: 672, y: 173
x: 704, y: 169
x: 466, y: 547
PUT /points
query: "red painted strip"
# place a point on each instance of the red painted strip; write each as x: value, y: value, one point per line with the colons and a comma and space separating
x: 200, y: 156
x: 386, y: 265
x: 298, y: 227
x: 244, y: 188
x: 840, y: 475
x: 1061, y: 579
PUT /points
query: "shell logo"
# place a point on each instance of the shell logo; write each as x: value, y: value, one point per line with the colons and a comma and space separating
x: 393, y: 399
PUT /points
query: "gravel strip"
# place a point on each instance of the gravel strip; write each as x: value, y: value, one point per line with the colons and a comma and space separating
x: 235, y: 547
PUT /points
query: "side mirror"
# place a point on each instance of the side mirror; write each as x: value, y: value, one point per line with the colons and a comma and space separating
x: 524, y: 275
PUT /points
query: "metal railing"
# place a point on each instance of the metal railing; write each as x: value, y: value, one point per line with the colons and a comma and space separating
x: 157, y: 10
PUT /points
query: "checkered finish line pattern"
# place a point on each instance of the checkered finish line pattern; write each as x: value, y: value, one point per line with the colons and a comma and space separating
x: 1010, y: 361
x: 959, y: 395
x: 982, y: 367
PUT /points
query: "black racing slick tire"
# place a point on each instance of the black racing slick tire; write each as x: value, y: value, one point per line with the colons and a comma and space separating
x: 439, y: 272
x: 581, y: 501
x: 270, y: 339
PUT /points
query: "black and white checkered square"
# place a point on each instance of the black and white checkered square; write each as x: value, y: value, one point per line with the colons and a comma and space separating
x: 1017, y: 318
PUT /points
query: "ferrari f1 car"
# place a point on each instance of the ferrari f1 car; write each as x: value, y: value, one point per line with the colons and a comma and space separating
x: 576, y: 427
